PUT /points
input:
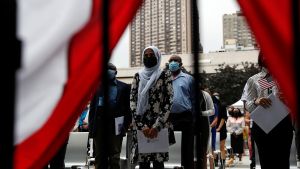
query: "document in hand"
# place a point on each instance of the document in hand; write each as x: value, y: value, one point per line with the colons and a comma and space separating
x: 268, y: 118
x: 119, y: 125
x: 160, y: 144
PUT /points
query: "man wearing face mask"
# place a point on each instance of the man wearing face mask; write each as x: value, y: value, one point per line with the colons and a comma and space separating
x: 181, y: 115
x: 107, y: 129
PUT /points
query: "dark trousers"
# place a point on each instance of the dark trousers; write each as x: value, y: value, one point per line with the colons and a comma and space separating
x: 184, y: 122
x: 58, y: 161
x: 213, y: 138
x: 237, y: 143
x: 202, y: 138
x: 107, y: 146
x: 274, y: 147
x: 156, y: 165
x: 252, y: 158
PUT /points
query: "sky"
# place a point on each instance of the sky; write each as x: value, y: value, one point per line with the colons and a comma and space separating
x: 211, y: 33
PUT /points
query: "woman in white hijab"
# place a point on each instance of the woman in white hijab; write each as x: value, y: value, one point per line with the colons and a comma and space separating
x: 150, y: 102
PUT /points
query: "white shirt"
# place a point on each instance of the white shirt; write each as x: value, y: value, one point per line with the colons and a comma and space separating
x: 210, y: 110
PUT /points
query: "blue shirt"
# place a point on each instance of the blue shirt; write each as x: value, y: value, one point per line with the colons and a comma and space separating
x: 82, y: 116
x: 183, y: 98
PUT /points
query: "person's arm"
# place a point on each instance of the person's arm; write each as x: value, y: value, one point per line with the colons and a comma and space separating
x: 247, y: 118
x: 241, y: 129
x: 209, y: 104
x: 165, y: 107
x: 192, y: 95
x: 222, y: 122
x: 214, y: 122
x: 75, y: 128
x: 250, y: 95
x: 137, y: 119
x: 127, y: 113
x: 92, y: 113
x: 253, y: 100
x: 229, y: 126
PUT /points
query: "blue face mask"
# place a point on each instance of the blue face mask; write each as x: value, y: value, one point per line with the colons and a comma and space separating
x: 111, y: 74
x: 174, y: 66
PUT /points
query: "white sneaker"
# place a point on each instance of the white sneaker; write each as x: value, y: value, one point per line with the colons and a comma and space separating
x: 298, y: 164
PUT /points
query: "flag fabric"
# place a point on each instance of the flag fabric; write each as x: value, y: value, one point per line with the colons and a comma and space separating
x: 273, y: 26
x: 60, y: 67
x: 266, y: 83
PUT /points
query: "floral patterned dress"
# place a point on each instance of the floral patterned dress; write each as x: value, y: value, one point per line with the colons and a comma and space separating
x: 160, y: 101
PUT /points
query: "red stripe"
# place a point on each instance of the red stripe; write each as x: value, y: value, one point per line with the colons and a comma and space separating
x: 264, y: 84
x: 84, y: 70
x: 274, y: 33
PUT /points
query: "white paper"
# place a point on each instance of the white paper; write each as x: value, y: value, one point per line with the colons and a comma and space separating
x: 160, y: 144
x: 268, y: 118
x: 119, y: 121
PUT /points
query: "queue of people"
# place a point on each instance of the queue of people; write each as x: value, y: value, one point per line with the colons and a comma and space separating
x: 163, y: 100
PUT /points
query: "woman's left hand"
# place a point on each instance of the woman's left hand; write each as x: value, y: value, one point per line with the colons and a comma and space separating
x: 153, y: 133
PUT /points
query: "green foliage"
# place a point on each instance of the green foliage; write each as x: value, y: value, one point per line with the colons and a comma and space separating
x: 229, y: 81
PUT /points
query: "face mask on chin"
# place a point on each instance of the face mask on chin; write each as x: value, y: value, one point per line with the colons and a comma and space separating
x: 150, y: 61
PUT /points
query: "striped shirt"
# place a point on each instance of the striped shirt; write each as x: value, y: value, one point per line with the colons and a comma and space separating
x: 254, y: 89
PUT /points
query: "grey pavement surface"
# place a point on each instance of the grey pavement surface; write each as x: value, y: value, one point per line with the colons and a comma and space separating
x: 77, y: 153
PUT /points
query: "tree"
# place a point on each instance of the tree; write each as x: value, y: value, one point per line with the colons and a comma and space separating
x: 229, y: 81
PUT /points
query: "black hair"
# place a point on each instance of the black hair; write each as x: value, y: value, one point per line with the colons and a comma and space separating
x: 112, y: 66
x: 261, y: 60
x: 239, y: 114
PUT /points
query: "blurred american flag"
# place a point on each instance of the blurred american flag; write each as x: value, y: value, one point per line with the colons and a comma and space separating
x: 266, y: 82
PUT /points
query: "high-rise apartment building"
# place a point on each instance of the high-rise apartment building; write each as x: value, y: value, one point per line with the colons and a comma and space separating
x: 165, y: 24
x: 236, y: 33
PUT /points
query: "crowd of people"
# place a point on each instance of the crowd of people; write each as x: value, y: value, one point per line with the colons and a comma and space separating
x: 164, y: 100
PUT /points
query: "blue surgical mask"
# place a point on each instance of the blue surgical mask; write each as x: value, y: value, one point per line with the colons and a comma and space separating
x: 174, y: 66
x: 111, y: 74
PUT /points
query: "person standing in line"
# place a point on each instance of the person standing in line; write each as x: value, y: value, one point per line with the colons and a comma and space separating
x: 273, y: 147
x: 235, y: 126
x: 106, y: 128
x: 182, y: 110
x: 150, y: 103
x: 221, y: 127
x: 213, y: 120
x: 213, y: 124
x: 249, y: 123
x: 202, y: 131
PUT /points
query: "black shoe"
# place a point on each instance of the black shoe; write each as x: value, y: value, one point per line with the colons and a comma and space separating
x: 216, y: 161
x: 222, y: 165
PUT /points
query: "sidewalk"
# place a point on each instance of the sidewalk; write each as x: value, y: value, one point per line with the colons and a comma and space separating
x: 245, y: 164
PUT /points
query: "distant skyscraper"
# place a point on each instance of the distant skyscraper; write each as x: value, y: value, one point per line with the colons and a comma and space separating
x: 165, y: 24
x: 236, y: 33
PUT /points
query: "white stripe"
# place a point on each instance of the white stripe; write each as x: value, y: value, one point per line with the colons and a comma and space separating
x: 45, y: 29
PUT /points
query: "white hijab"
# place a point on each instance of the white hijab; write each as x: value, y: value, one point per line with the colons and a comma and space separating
x: 148, y: 77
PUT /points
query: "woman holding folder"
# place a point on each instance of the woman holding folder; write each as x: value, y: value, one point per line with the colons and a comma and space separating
x: 150, y: 103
